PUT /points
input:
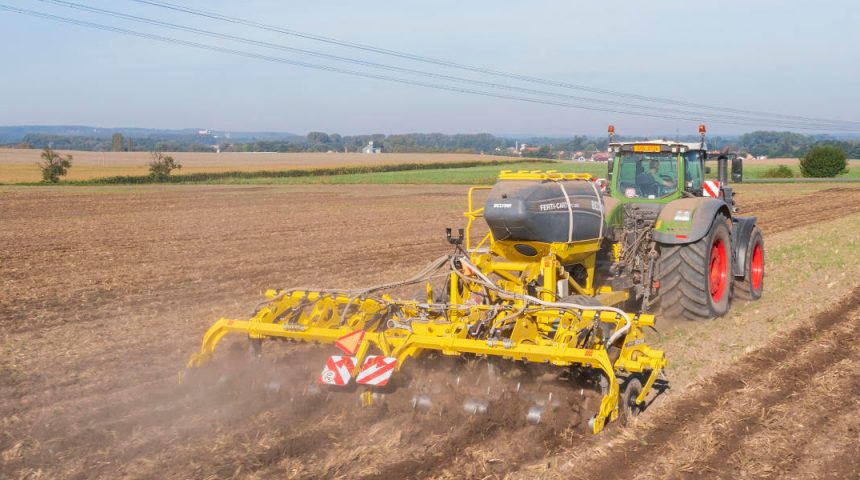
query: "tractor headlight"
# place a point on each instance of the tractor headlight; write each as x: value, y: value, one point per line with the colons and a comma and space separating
x: 682, y: 216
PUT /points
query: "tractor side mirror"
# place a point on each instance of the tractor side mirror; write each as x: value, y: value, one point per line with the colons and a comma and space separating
x: 737, y: 170
x: 609, y: 164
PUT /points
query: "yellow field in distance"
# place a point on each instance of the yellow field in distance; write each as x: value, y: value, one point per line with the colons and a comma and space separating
x: 19, y: 165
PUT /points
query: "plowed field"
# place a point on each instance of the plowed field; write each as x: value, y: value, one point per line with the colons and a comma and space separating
x: 106, y: 291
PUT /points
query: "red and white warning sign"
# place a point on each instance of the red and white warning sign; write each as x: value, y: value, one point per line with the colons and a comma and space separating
x: 711, y: 188
x: 376, y: 370
x: 338, y: 370
x: 350, y: 342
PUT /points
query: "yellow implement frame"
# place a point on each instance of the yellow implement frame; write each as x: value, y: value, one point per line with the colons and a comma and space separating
x: 480, y: 317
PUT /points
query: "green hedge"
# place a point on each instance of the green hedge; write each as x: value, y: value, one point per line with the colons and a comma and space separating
x: 782, y: 171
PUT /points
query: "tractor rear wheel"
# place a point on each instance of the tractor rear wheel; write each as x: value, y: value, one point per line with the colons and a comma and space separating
x: 752, y: 285
x: 696, y: 278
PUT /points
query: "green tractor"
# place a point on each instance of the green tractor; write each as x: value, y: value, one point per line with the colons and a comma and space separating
x: 676, y: 244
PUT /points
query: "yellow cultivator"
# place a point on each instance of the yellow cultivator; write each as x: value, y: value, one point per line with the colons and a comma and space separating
x: 527, y: 298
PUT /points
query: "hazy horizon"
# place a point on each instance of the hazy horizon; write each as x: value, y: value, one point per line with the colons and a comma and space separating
x: 521, y: 136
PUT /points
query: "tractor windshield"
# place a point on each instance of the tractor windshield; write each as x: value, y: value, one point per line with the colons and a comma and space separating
x: 647, y: 175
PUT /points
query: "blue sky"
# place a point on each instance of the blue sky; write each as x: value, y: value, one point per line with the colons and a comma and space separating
x: 799, y: 58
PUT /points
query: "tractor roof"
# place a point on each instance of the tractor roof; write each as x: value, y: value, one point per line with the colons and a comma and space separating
x: 664, y: 145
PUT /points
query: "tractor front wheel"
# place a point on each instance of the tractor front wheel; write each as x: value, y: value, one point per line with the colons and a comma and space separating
x: 752, y: 285
x: 696, y: 278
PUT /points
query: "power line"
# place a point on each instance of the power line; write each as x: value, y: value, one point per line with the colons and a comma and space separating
x: 485, y: 84
x: 483, y: 70
x: 268, y: 58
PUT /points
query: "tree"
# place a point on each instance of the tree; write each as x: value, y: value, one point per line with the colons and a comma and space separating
x: 117, y: 142
x: 161, y: 166
x: 54, y: 165
x: 315, y: 138
x: 824, y: 161
x: 542, y: 152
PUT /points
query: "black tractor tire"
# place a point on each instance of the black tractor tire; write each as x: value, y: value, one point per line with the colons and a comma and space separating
x: 695, y: 279
x: 752, y: 285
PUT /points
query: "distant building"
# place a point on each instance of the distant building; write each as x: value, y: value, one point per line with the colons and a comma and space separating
x: 599, y: 157
x: 371, y: 148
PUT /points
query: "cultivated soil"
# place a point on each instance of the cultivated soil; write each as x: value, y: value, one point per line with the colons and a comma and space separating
x: 107, y: 291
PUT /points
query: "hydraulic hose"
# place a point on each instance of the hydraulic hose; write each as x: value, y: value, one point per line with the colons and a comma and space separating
x: 418, y: 277
x: 354, y: 293
x: 528, y: 298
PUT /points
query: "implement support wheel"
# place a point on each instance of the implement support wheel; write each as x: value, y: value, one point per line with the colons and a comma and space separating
x: 627, y: 408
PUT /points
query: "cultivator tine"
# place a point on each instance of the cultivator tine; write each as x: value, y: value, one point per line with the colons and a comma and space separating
x: 535, y: 415
x: 369, y: 398
x: 475, y: 407
x: 422, y: 403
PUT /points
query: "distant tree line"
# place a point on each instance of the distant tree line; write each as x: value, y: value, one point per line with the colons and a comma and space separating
x: 487, y: 143
x: 117, y: 143
x: 772, y: 144
x: 788, y: 144
x: 399, y: 143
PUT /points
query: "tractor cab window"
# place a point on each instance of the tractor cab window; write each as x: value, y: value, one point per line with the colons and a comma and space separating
x: 693, y: 174
x: 647, y: 175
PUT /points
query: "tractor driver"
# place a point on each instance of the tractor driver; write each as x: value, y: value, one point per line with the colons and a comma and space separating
x: 649, y: 182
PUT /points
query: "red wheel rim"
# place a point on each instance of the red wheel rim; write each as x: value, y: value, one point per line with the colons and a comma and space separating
x: 757, y: 267
x: 718, y: 272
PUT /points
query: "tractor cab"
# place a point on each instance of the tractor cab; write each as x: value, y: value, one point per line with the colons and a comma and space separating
x: 655, y: 170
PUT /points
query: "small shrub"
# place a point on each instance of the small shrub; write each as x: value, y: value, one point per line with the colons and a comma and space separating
x: 161, y: 166
x: 824, y: 161
x: 782, y: 171
x: 54, y: 165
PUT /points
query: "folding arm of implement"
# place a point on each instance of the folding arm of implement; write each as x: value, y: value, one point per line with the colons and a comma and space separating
x: 481, y: 317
